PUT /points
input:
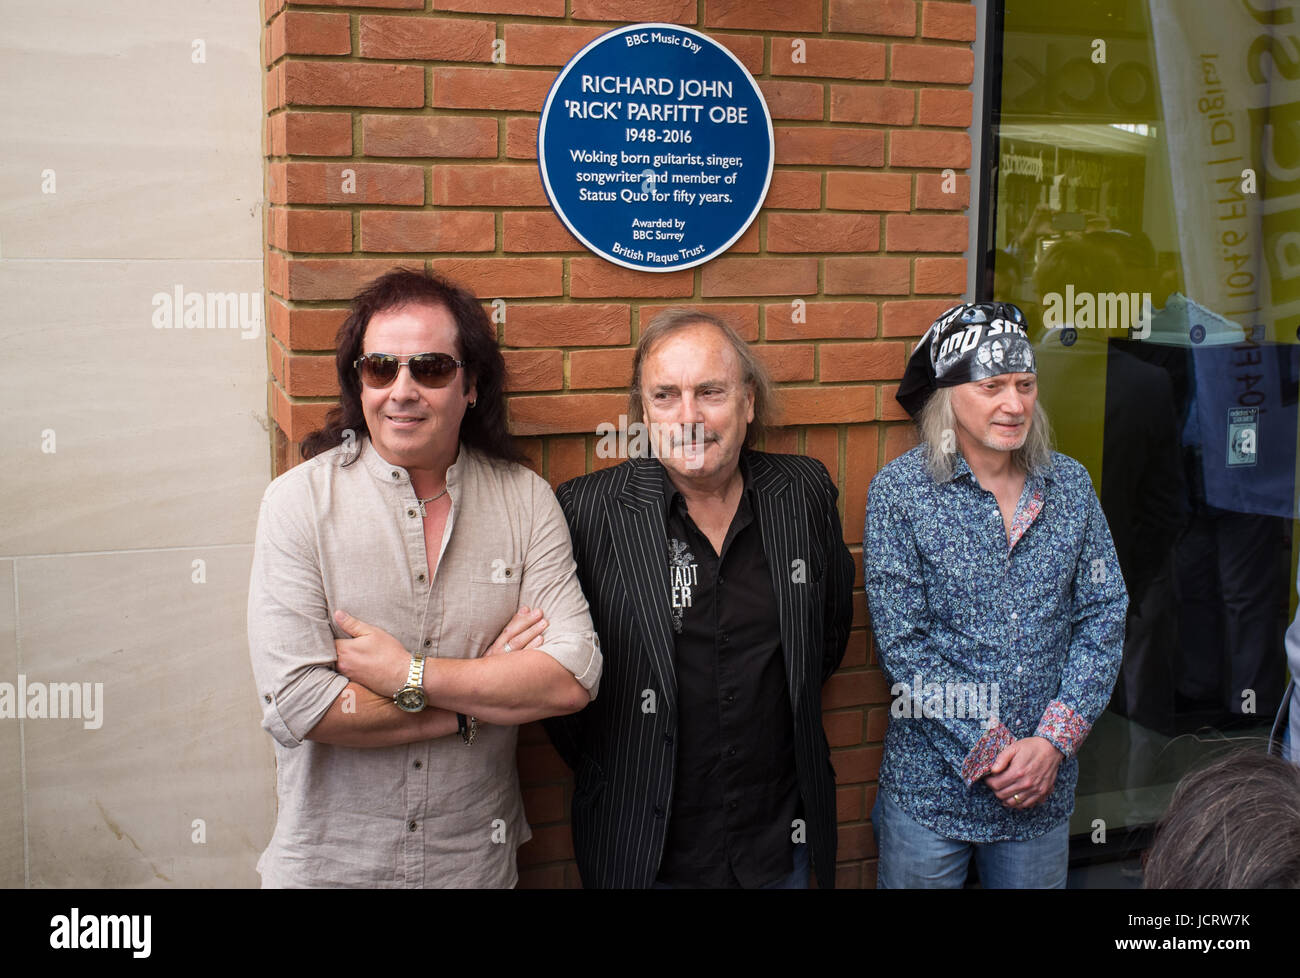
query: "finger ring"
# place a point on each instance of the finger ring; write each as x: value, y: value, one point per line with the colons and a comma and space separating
x: 508, y: 649
x: 1015, y: 797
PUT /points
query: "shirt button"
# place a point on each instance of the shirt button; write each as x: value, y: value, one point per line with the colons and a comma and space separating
x: 1014, y: 615
x: 267, y: 697
x: 395, y: 475
x: 428, y: 642
x: 731, y: 752
x: 411, y: 513
x: 420, y: 577
x: 412, y: 826
x: 731, y: 698
x: 668, y: 738
x: 1018, y: 669
x: 508, y: 572
x: 659, y: 811
x: 418, y: 764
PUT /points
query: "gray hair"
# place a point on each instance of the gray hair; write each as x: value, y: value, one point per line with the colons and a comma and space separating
x: 752, y: 372
x: 1232, y: 825
x: 937, y: 425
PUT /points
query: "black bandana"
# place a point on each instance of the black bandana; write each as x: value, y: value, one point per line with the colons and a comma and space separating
x: 969, y: 342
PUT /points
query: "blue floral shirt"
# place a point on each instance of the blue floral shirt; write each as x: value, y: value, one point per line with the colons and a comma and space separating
x: 988, y: 637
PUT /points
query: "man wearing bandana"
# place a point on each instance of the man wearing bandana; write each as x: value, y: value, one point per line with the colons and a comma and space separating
x: 998, y: 609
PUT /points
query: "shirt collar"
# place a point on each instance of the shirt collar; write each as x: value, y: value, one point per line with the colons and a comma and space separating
x: 1036, y: 479
x: 394, y: 475
x: 672, y: 493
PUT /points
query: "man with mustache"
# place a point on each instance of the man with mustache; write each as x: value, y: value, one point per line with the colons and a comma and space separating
x: 719, y: 585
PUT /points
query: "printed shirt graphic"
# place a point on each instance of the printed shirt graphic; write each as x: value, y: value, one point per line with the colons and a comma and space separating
x: 684, y: 576
x: 952, y: 600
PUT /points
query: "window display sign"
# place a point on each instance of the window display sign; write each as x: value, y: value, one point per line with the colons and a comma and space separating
x: 655, y: 147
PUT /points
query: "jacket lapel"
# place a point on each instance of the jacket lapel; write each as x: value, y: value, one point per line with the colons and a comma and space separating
x: 785, y: 541
x: 640, y: 540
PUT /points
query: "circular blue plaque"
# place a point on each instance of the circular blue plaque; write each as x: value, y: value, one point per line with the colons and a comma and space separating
x: 655, y: 147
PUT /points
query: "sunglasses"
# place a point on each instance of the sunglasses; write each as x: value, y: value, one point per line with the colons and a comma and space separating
x: 427, y: 369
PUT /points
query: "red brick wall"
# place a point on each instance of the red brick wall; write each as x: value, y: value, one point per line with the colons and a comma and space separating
x: 860, y: 223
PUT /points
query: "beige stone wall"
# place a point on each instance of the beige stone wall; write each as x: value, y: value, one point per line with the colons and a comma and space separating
x: 132, y: 166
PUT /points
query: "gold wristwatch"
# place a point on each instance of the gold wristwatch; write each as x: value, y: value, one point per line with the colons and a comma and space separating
x: 411, y: 697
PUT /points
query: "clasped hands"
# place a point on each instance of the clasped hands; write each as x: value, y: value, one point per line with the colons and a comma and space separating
x: 1024, y: 774
x: 376, y: 660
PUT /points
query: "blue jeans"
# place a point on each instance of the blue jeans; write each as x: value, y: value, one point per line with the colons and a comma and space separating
x: 797, y: 880
x: 913, y: 857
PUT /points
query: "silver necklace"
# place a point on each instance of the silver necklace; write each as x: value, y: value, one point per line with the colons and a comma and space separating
x: 429, y: 500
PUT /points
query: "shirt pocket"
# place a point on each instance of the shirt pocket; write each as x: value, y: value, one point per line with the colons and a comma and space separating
x: 493, y: 599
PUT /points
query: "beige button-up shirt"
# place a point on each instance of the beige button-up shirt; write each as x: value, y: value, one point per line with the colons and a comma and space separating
x: 332, y: 536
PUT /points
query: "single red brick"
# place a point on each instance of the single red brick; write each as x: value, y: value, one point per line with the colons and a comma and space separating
x: 759, y: 276
x: 537, y: 231
x: 842, y: 690
x: 822, y: 232
x: 600, y: 368
x: 787, y: 362
x: 877, y: 724
x: 546, y: 44
x: 946, y: 107
x: 929, y: 149
x: 505, y: 277
x: 498, y: 185
x: 811, y: 145
x: 303, y: 329
x: 873, y: 106
x: 940, y: 276
x: 521, y: 138
x: 827, y: 405
x: 534, y: 370
x: 792, y: 100
x: 857, y: 841
x: 644, y: 11
x: 347, y: 183
x: 784, y: 441
x: 892, y: 17
x: 950, y: 21
x: 428, y: 231
x: 860, y: 463
x: 297, y: 419
x: 848, y: 876
x: 868, y: 276
x: 765, y: 15
x: 926, y: 232
x: 307, y: 230
x: 844, y: 729
x: 311, y: 134
x: 819, y: 320
x: 747, y: 243
x: 819, y: 58
x: 748, y: 49
x: 899, y: 439
x: 569, y: 324
x: 869, y: 191
x: 426, y: 39
x: 595, y: 278
x: 890, y: 409
x: 856, y: 765
x: 932, y: 63
x: 912, y: 318
x: 742, y: 317
x: 566, y: 458
x: 299, y: 32
x: 491, y: 88
x: 860, y: 361
x: 428, y: 135
x: 348, y: 83
x: 794, y: 190
x: 311, y: 376
x: 552, y: 414
x: 823, y: 444
x: 335, y: 278
x: 529, y: 8
x: 934, y: 191
x: 390, y: 4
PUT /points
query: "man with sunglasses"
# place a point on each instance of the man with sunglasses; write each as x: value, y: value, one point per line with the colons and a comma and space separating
x: 413, y: 599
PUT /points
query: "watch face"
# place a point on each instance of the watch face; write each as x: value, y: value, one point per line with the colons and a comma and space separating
x: 410, y: 700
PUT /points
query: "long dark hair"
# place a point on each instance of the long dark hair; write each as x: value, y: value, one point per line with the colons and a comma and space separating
x: 484, y: 425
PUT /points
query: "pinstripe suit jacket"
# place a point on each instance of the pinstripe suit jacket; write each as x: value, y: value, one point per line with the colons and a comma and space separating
x: 622, y: 746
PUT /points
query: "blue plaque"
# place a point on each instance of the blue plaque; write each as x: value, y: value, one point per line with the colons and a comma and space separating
x: 655, y: 147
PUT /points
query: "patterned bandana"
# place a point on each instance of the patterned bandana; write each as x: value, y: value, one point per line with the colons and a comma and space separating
x: 969, y: 342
